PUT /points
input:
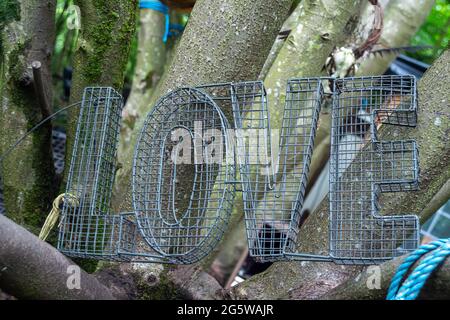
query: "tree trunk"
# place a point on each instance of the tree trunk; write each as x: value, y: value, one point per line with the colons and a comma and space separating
x: 104, y: 42
x: 290, y: 23
x: 317, y: 27
x: 28, y: 172
x: 309, y: 280
x: 150, y: 63
x: 223, y: 41
x: 322, y: 26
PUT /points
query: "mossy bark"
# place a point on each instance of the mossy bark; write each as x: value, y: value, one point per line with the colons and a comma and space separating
x: 288, y: 25
x: 321, y: 26
x: 308, y: 280
x: 104, y: 41
x: 28, y: 173
x: 437, y: 287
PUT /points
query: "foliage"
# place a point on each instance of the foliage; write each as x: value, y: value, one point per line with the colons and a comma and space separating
x: 64, y: 48
x: 65, y: 38
x: 435, y: 32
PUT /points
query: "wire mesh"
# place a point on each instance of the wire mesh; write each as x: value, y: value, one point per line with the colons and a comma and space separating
x: 181, y: 191
x: 58, y: 148
x: 87, y: 228
x: 188, y: 155
x: 274, y: 175
x: 362, y: 167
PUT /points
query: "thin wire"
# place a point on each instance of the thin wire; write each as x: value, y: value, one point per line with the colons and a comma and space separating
x: 10, y: 149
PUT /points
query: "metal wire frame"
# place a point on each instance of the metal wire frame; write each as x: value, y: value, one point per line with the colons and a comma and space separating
x: 359, y: 234
x: 87, y: 229
x: 274, y: 176
x: 273, y: 200
x: 183, y: 148
x: 169, y: 227
x: 165, y: 226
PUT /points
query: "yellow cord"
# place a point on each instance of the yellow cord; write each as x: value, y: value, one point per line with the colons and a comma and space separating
x: 53, y: 216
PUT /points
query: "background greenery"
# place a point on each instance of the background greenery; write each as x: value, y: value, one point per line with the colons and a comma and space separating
x: 434, y: 32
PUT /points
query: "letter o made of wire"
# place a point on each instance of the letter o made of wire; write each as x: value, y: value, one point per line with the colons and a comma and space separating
x: 182, y: 183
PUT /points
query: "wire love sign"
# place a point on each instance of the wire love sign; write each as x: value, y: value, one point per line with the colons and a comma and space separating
x: 199, y: 146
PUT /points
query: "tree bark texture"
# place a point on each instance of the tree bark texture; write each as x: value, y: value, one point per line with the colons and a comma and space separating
x: 28, y: 174
x: 223, y: 41
x: 309, y: 280
x: 104, y: 41
x: 360, y: 35
x: 32, y: 269
x: 322, y: 25
x: 288, y: 25
x: 151, y: 58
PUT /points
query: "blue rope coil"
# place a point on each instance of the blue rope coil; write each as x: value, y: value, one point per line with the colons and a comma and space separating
x: 438, y: 251
x: 160, y: 7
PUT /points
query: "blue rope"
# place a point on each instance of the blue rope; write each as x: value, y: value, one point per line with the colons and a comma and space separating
x: 160, y: 7
x: 439, y: 250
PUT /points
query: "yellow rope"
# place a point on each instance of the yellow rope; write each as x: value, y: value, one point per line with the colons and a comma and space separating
x: 53, y: 216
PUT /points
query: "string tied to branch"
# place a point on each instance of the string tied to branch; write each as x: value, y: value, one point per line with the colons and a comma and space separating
x: 436, y: 251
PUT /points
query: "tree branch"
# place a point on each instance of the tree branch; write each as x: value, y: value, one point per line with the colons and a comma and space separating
x: 203, y: 57
x: 32, y: 269
x: 39, y: 88
x: 302, y: 54
x: 437, y: 286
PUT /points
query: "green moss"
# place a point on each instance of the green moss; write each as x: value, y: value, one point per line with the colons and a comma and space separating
x: 163, y: 289
x: 26, y: 203
x: 88, y: 265
x: 101, y: 37
x: 9, y: 11
x: 36, y: 200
